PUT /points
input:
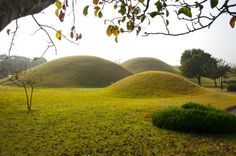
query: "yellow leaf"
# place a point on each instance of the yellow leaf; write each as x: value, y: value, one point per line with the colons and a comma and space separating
x: 116, y: 31
x: 58, y: 35
x: 96, y: 13
x: 95, y: 2
x: 57, y: 12
x: 109, y: 30
x: 232, y: 21
x: 58, y: 4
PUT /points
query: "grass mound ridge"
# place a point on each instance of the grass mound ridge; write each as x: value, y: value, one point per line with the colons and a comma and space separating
x: 80, y: 71
x: 153, y: 84
x: 141, y: 64
x: 195, y: 118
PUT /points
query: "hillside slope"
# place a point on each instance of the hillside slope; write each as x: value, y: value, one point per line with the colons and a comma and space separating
x: 141, y: 64
x: 153, y: 84
x: 80, y: 71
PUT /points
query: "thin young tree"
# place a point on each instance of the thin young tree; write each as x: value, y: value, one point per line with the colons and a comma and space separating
x: 212, y: 71
x: 223, y: 69
x: 21, y: 77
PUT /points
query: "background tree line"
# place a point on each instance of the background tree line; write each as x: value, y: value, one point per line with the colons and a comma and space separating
x: 196, y: 63
x: 19, y: 63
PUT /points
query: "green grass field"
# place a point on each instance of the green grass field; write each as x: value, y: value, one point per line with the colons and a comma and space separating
x: 73, y: 121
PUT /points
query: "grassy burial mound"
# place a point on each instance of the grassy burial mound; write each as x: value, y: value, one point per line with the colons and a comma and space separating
x: 80, y: 71
x: 153, y: 84
x: 141, y: 64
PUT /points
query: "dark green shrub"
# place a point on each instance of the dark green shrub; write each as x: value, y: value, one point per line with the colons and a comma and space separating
x: 193, y: 105
x: 232, y: 88
x: 195, y: 120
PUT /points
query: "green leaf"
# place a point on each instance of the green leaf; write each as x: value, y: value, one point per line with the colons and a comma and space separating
x: 186, y: 11
x: 153, y: 14
x: 85, y: 11
x: 123, y: 19
x: 213, y: 3
x: 232, y: 21
x: 8, y: 31
x: 167, y: 13
x: 137, y: 11
x: 130, y: 25
x: 141, y: 1
x: 96, y: 8
x: 167, y: 22
x: 100, y: 15
x: 142, y: 18
x: 122, y: 10
x: 119, y: 21
x: 158, y: 5
x: 116, y: 39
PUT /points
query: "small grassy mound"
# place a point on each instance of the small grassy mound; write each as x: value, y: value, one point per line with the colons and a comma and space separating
x: 80, y: 71
x: 141, y: 64
x: 153, y: 84
x: 195, y: 118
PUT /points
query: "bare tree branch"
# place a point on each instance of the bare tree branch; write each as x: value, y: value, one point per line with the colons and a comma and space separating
x: 48, y: 35
x: 13, y: 38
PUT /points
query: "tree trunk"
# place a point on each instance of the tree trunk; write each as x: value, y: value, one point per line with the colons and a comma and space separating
x: 215, y: 82
x: 14, y: 9
x: 199, y: 80
x: 31, y: 96
x: 221, y: 83
x: 27, y: 97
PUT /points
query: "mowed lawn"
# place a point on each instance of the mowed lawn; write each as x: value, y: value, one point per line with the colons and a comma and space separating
x: 86, y: 122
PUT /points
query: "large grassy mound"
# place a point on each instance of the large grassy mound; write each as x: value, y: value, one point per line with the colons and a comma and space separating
x: 153, y: 84
x: 141, y: 64
x: 80, y: 71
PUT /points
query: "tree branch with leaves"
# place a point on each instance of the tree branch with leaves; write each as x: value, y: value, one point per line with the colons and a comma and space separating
x: 131, y: 15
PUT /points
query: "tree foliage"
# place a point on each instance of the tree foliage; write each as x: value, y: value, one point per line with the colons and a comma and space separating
x: 131, y: 15
x: 127, y: 16
x: 136, y: 15
x: 195, y: 63
x: 222, y: 69
x: 13, y: 64
x: 218, y: 69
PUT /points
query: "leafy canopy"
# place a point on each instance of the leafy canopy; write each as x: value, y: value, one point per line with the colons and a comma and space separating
x: 135, y: 15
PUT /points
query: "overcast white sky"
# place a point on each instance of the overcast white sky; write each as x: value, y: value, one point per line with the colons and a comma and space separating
x: 220, y: 40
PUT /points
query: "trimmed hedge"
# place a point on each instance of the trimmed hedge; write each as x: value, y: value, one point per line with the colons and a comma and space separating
x: 232, y: 88
x: 195, y: 120
x: 192, y: 105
